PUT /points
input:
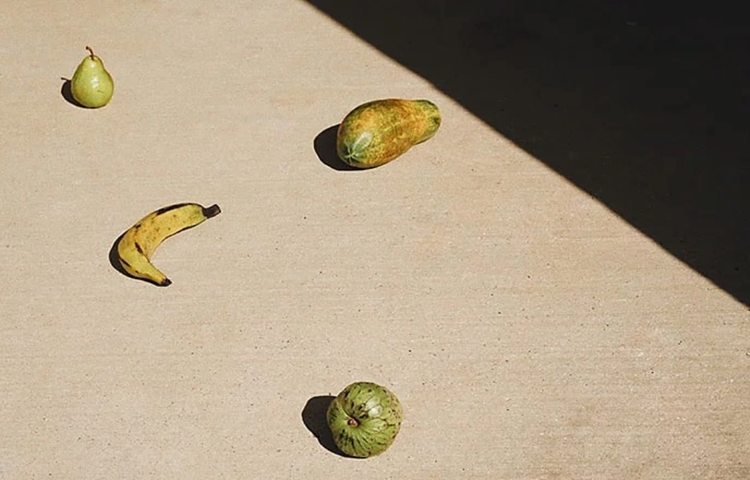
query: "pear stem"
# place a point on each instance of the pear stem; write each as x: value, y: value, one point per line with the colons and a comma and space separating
x: 90, y: 51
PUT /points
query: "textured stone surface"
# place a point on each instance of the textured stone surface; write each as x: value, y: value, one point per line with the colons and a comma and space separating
x: 529, y: 330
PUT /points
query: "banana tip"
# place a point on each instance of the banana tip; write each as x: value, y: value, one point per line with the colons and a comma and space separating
x: 165, y: 283
x: 211, y: 211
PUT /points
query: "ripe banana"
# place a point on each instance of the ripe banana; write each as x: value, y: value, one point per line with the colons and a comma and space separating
x: 136, y: 246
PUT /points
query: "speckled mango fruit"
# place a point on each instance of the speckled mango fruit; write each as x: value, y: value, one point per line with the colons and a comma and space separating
x: 376, y: 132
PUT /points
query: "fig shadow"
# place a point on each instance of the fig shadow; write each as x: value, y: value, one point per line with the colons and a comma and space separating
x: 314, y: 418
x: 325, y: 148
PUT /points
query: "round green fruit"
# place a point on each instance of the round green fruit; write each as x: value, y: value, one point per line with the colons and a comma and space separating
x: 364, y: 419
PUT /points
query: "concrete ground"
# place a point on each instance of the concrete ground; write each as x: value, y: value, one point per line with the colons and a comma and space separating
x: 555, y: 285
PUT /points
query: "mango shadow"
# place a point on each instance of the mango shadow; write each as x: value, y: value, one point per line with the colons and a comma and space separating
x: 325, y: 147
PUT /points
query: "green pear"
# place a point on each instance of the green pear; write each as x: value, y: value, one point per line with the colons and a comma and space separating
x: 92, y: 85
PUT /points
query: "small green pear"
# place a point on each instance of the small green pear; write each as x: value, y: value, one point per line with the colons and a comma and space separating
x: 92, y: 85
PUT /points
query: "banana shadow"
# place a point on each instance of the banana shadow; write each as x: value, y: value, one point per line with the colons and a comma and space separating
x: 314, y: 418
x: 66, y: 93
x: 114, y: 260
x: 325, y: 147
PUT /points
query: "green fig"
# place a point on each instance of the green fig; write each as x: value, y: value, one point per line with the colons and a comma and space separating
x: 92, y: 85
x: 364, y: 419
x: 376, y: 132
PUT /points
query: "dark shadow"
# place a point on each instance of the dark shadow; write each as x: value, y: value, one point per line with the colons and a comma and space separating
x: 314, y: 418
x: 66, y: 93
x: 325, y: 148
x: 114, y: 259
x: 644, y: 105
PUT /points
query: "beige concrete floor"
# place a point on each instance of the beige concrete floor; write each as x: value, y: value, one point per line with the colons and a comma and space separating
x: 528, y: 330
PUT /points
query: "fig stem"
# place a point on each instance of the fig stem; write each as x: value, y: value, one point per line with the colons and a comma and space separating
x: 90, y: 51
x: 352, y: 422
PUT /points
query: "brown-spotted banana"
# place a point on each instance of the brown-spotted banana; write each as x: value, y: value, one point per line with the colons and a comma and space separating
x: 137, y: 245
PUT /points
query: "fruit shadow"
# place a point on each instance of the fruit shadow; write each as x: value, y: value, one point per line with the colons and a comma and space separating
x: 114, y: 260
x: 325, y: 148
x: 67, y: 94
x: 314, y: 418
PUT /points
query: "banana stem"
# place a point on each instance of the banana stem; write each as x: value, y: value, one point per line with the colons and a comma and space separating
x: 211, y: 211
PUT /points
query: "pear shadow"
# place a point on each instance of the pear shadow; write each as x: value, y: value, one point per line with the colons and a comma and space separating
x: 66, y: 93
x: 114, y: 260
x: 314, y: 418
x: 325, y: 148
